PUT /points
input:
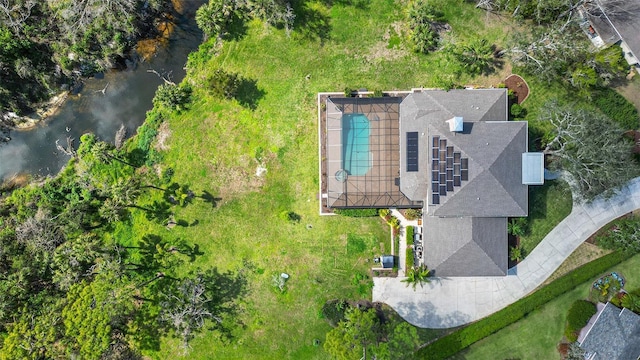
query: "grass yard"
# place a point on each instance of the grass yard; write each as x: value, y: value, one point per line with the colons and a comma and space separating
x: 220, y: 146
x: 548, y: 205
x: 537, y: 335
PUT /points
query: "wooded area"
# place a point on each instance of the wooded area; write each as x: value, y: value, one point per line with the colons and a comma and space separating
x: 46, y: 45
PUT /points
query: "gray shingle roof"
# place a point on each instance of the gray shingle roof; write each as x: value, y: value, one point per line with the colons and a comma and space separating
x: 625, y: 19
x: 614, y: 336
x: 466, y: 246
x: 493, y: 146
x: 466, y: 231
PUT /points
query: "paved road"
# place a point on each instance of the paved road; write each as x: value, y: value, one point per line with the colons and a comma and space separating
x: 449, y: 302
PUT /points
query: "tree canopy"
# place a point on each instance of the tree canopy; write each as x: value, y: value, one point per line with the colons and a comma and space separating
x: 44, y: 43
x: 591, y: 148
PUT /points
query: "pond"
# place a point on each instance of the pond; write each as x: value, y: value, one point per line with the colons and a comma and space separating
x: 104, y: 104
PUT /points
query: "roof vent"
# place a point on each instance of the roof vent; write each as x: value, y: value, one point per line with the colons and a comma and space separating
x: 455, y: 124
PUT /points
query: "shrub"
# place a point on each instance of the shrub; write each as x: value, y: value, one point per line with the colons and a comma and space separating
x: 518, y: 112
x: 334, y: 311
x: 461, y: 338
x: 384, y: 212
x: 212, y: 18
x: 173, y: 96
x: 410, y: 258
x: 224, y: 85
x: 356, y: 212
x: 348, y: 92
x: 579, y: 314
x: 623, y: 235
x: 290, y: 216
x: 516, y: 253
x: 409, y: 232
x: 517, y: 226
x: 616, y: 107
x: 413, y: 214
x: 422, y: 20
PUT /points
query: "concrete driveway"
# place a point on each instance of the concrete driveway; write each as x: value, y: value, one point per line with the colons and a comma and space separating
x: 450, y: 302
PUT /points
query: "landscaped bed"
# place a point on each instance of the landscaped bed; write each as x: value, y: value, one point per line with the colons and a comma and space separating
x: 517, y: 85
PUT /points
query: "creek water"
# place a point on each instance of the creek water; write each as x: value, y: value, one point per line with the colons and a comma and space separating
x: 126, y: 99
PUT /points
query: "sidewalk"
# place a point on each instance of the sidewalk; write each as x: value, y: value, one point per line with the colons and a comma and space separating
x: 402, y: 256
x: 450, y: 302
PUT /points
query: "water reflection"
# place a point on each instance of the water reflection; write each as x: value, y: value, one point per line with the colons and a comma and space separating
x: 125, y: 100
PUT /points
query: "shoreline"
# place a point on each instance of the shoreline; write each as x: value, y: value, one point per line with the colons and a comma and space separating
x: 44, y: 111
x: 145, y: 48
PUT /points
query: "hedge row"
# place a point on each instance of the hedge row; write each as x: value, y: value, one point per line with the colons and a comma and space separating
x: 409, y: 252
x: 460, y: 339
x: 357, y: 212
x: 617, y: 107
x: 409, y: 233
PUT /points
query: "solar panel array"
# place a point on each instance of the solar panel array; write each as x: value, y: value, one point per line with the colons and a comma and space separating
x: 412, y: 151
x: 448, y: 169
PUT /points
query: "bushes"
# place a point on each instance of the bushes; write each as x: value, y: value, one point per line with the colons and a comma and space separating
x: 409, y: 251
x: 616, y: 107
x: 579, y: 314
x: 224, y: 85
x: 356, y: 212
x: 517, y: 111
x: 409, y: 232
x: 412, y: 214
x: 623, y: 235
x: 173, y: 96
x: 460, y: 339
x: 334, y: 311
x: 422, y: 20
x: 410, y: 259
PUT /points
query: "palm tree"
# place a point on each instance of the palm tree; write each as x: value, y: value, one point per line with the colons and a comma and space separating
x: 476, y: 56
x: 418, y: 275
x: 102, y: 152
x: 631, y: 302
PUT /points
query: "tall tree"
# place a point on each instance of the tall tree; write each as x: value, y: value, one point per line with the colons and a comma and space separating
x: 357, y: 337
x: 592, y: 148
x: 94, y: 312
x: 185, y: 308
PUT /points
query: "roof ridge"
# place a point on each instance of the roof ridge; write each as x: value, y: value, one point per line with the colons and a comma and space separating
x: 493, y: 164
x: 471, y: 243
x: 444, y: 108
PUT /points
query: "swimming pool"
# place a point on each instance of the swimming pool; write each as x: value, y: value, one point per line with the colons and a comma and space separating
x: 356, y: 158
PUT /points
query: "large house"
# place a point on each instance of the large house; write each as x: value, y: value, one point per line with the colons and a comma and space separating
x: 615, y: 335
x: 608, y: 22
x: 451, y: 153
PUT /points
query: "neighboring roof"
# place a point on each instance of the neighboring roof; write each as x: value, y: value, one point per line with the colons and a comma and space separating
x: 615, y: 335
x: 623, y: 22
x: 378, y: 187
x: 466, y: 246
x: 491, y: 180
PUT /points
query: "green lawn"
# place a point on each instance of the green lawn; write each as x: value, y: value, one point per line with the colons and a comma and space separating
x: 537, y: 335
x: 216, y: 146
x: 548, y: 205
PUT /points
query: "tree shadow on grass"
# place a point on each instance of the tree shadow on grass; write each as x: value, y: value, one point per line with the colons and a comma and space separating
x: 249, y: 94
x: 223, y: 290
x: 236, y: 28
x: 358, y: 4
x: 537, y: 204
x: 311, y: 22
x: 209, y: 198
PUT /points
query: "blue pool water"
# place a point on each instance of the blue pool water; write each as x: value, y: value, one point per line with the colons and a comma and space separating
x: 356, y: 157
